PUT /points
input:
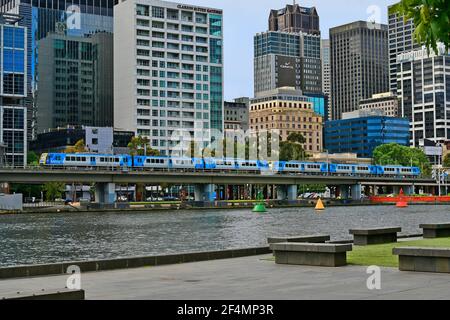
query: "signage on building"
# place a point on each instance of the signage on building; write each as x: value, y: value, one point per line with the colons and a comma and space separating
x: 433, y: 151
x: 420, y: 54
x: 199, y: 9
x: 286, y: 72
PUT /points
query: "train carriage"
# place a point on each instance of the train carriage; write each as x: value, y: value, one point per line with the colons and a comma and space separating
x: 147, y: 162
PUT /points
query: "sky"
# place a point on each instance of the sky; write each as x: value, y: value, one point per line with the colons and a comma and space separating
x: 244, y: 18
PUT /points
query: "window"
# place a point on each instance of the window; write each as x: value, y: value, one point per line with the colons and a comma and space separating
x: 158, y: 12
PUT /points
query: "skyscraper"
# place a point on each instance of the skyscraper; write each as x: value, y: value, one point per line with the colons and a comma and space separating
x: 168, y: 70
x: 294, y: 18
x: 13, y: 83
x: 401, y: 39
x: 359, y: 64
x: 326, y: 73
x: 44, y: 18
x: 78, y: 92
x: 284, y: 59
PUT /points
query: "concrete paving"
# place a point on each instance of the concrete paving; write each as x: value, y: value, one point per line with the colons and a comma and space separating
x: 244, y: 278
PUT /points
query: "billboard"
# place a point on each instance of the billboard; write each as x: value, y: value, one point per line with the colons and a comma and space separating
x: 286, y: 70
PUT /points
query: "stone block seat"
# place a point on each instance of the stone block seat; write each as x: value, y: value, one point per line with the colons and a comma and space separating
x: 364, y: 237
x: 311, y: 254
x: 300, y: 239
x: 435, y: 260
x: 436, y: 230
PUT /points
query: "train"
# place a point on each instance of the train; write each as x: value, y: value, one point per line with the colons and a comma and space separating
x: 150, y: 163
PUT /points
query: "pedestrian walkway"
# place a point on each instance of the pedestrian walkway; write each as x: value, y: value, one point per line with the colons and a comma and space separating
x: 244, y: 278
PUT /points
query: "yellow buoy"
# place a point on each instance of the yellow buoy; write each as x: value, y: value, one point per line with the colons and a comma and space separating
x: 320, y: 205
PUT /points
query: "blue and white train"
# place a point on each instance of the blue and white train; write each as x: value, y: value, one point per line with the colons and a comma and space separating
x: 92, y: 161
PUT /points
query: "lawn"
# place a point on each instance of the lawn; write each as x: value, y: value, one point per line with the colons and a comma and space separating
x: 381, y: 255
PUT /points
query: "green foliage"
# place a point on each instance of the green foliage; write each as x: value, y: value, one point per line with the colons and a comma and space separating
x: 53, y: 190
x: 139, y: 144
x: 395, y: 154
x: 28, y: 190
x: 431, y: 20
x: 292, y: 149
x: 32, y: 158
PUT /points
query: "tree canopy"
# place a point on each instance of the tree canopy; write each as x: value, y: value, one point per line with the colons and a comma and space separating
x: 32, y: 158
x: 53, y: 190
x: 79, y: 147
x: 395, y: 154
x: 140, y: 146
x: 431, y: 19
x: 292, y: 148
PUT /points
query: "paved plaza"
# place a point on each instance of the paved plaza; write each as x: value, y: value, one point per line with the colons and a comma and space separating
x: 244, y: 278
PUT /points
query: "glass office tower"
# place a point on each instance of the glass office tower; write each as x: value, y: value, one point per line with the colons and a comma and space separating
x: 78, y: 18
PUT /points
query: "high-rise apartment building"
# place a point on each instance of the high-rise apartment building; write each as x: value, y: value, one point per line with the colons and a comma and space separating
x: 168, y: 71
x: 423, y: 86
x: 13, y: 84
x: 78, y: 92
x: 359, y: 64
x: 294, y: 18
x: 287, y: 111
x: 71, y: 18
x: 401, y: 40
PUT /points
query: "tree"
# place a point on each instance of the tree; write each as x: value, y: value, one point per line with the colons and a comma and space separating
x: 447, y: 161
x: 430, y: 18
x: 32, y: 158
x: 395, y: 154
x: 79, y: 147
x: 53, y: 190
x: 292, y: 149
x: 140, y: 145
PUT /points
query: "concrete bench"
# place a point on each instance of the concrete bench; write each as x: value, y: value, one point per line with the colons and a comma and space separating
x: 435, y: 260
x: 300, y: 239
x: 436, y: 230
x: 311, y: 254
x: 63, y: 294
x: 364, y: 237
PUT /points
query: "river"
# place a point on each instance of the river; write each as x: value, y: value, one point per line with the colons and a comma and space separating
x: 47, y: 238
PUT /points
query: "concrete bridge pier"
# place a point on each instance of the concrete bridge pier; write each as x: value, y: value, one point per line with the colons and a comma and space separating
x: 105, y: 193
x: 408, y: 190
x: 204, y: 192
x: 356, y: 192
x: 281, y: 193
x: 292, y: 192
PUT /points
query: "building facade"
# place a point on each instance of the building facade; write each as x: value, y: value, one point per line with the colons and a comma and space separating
x: 44, y: 18
x: 401, y: 40
x: 423, y: 86
x: 359, y: 64
x: 386, y: 102
x: 78, y: 89
x: 97, y: 140
x: 361, y: 135
x: 287, y: 60
x: 236, y: 115
x: 13, y: 84
x: 294, y: 18
x: 326, y: 74
x: 169, y: 59
x: 287, y: 111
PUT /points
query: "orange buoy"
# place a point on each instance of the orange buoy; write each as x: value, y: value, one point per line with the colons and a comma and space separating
x: 402, y: 203
x: 320, y: 206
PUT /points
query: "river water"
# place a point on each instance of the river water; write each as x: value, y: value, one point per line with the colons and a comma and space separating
x: 47, y: 238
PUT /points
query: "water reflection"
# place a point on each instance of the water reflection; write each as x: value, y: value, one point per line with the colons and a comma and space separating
x: 44, y: 238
